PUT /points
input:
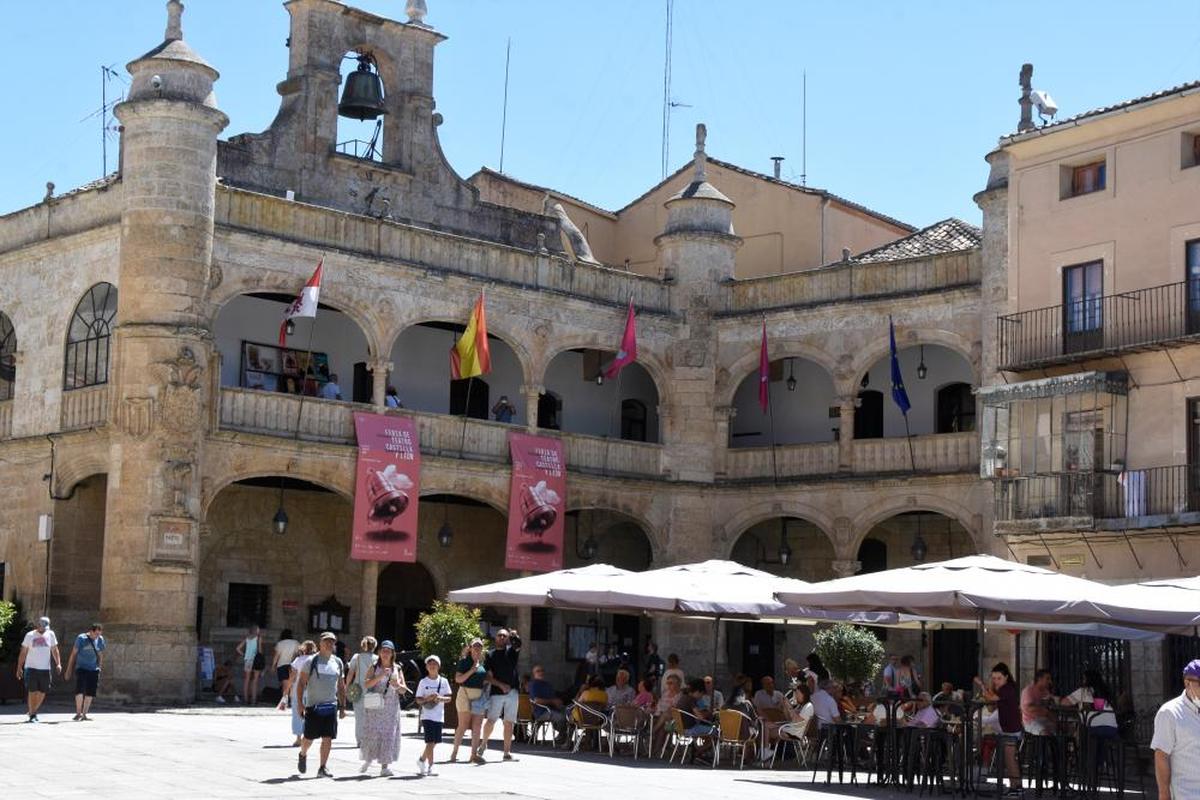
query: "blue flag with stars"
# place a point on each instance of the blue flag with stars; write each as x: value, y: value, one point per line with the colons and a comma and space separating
x: 899, y: 395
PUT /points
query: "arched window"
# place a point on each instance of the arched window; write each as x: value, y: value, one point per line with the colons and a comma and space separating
x: 955, y: 408
x: 549, y: 412
x: 633, y: 420
x: 872, y: 555
x: 8, y: 357
x: 89, y: 338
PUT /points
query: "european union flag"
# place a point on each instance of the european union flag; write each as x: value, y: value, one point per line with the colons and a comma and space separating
x: 899, y: 395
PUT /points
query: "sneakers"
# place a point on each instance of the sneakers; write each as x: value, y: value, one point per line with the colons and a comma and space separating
x: 420, y: 768
x: 237, y: 699
x: 385, y: 773
x: 301, y: 763
x: 323, y: 773
x: 366, y: 766
x: 220, y: 699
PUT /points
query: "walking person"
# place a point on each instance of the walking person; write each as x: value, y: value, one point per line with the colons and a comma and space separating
x: 501, y: 665
x: 299, y: 663
x: 381, y: 707
x: 356, y: 682
x: 85, y: 661
x: 1176, y: 741
x: 281, y: 662
x: 470, y: 675
x: 323, y: 702
x: 433, y: 692
x: 38, y: 649
x: 254, y: 661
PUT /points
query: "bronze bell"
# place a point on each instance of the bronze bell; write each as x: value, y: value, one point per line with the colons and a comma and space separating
x: 363, y: 96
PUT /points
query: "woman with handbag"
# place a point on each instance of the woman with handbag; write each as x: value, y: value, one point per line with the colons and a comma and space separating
x: 253, y: 663
x: 356, y: 679
x: 470, y: 675
x: 381, y: 707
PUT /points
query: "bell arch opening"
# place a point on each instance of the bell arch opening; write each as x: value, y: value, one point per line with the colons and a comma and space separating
x: 360, y: 112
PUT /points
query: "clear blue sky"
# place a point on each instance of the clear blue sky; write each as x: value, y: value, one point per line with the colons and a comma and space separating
x: 904, y: 98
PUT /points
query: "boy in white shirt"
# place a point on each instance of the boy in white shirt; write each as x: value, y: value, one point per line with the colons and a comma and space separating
x: 433, y: 692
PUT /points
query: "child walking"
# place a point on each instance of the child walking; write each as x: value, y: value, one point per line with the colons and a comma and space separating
x: 433, y: 692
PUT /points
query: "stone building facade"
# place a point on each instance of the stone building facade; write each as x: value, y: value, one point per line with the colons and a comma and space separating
x: 142, y: 410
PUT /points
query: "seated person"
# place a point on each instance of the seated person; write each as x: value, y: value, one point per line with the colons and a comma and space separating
x: 803, y: 712
x: 949, y: 700
x: 770, y: 697
x: 741, y: 694
x: 223, y: 682
x: 620, y: 693
x: 716, y: 700
x: 670, y: 696
x: 593, y: 693
x: 825, y: 703
x: 548, y: 705
x: 1035, y: 701
x: 851, y: 699
x: 693, y: 702
x: 926, y: 715
x: 644, y: 699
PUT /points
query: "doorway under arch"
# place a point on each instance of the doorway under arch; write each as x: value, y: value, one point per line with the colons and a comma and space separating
x: 405, y: 592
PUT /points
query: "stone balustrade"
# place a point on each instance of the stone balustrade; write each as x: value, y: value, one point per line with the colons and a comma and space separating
x: 85, y: 408
x: 437, y: 251
x: 791, y: 460
x: 275, y: 414
x: 6, y: 412
x: 934, y: 452
x: 850, y: 281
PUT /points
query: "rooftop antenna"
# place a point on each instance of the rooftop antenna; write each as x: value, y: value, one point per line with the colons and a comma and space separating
x: 804, y: 130
x: 504, y: 116
x: 106, y: 73
x: 667, y: 104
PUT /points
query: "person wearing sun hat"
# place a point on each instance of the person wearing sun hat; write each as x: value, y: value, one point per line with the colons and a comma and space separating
x: 383, y: 687
x: 1176, y: 742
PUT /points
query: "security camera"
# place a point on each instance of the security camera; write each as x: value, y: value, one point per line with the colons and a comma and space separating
x: 156, y: 81
x: 1045, y: 104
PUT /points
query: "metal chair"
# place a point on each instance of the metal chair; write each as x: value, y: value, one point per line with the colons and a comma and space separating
x: 539, y: 726
x: 626, y: 723
x: 684, y: 722
x: 734, y: 729
x: 802, y: 742
x: 584, y: 719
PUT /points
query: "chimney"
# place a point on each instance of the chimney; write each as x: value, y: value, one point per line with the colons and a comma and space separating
x: 778, y: 161
x: 1026, y: 123
x: 845, y: 254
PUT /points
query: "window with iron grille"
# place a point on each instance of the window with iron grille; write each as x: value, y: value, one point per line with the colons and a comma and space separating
x: 249, y: 604
x: 1068, y: 655
x: 8, y: 357
x: 89, y: 338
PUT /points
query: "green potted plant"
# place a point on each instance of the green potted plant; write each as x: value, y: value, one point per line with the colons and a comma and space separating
x: 445, y: 631
x: 12, y: 630
x: 851, y: 653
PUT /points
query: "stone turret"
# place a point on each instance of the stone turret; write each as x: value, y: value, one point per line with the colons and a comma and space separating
x: 170, y: 125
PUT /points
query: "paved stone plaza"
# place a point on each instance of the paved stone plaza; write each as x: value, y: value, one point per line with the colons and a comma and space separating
x: 210, y: 752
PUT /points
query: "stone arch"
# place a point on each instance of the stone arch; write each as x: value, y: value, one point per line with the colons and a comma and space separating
x: 751, y: 515
x: 653, y: 534
x: 879, y: 348
x: 500, y: 331
x: 332, y: 295
x: 650, y: 362
x: 731, y: 378
x: 868, y: 518
x: 338, y: 480
x: 95, y: 331
x: 8, y: 357
x: 494, y: 498
x: 69, y: 473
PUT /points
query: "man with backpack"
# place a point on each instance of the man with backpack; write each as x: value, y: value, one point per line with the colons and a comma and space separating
x: 85, y: 661
x: 323, y: 702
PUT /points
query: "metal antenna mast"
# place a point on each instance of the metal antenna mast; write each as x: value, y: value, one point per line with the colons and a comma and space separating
x: 504, y: 117
x: 804, y: 131
x: 666, y: 113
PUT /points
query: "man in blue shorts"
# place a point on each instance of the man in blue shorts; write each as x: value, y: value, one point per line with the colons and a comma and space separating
x: 85, y: 661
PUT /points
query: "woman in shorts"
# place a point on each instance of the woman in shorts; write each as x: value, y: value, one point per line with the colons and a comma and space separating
x: 253, y: 663
x: 469, y: 674
x: 281, y: 662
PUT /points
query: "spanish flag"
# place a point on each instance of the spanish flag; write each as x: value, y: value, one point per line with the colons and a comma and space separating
x: 470, y: 357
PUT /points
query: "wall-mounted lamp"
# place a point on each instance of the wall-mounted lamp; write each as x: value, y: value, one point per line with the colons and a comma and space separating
x: 791, y: 381
x: 922, y: 370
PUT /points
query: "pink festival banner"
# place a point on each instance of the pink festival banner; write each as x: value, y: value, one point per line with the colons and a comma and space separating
x: 386, y: 489
x: 537, y: 504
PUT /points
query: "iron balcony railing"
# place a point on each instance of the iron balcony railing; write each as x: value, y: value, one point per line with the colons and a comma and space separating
x: 1158, y: 493
x: 1097, y: 325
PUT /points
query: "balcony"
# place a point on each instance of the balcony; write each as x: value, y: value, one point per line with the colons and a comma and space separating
x: 1158, y: 317
x: 932, y: 454
x: 85, y: 408
x: 331, y: 421
x: 851, y: 281
x: 6, y: 412
x: 1144, y: 498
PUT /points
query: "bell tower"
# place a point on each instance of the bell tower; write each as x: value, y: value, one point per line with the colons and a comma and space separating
x: 170, y: 123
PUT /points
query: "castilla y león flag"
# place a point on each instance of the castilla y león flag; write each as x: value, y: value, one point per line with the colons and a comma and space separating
x: 628, y: 352
x: 470, y: 356
x: 537, y: 504
x: 305, y: 304
x: 386, y: 488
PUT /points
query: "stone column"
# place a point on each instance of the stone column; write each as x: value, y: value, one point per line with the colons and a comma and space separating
x: 846, y: 568
x: 846, y: 435
x: 370, y: 594
x: 380, y: 369
x: 531, y: 392
x: 725, y: 415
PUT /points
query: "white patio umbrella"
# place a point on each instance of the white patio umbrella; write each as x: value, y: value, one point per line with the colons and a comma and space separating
x: 1171, y: 604
x: 534, y: 590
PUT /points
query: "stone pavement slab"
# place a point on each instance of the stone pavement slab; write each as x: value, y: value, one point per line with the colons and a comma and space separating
x: 231, y: 752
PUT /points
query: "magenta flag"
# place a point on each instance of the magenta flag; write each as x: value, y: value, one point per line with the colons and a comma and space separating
x: 628, y: 352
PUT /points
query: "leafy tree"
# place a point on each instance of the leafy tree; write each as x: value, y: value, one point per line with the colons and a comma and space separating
x: 851, y: 653
x: 12, y: 629
x: 445, y: 630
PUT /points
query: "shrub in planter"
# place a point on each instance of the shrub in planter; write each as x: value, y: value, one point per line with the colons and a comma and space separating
x: 445, y: 630
x: 851, y: 653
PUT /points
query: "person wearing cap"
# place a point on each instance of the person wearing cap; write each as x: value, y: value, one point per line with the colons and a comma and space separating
x: 470, y: 675
x: 380, y: 707
x: 1176, y: 741
x: 85, y: 661
x: 501, y: 665
x: 38, y: 649
x: 433, y: 692
x: 323, y: 701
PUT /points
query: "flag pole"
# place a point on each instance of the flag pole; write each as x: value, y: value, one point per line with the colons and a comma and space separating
x: 771, y: 418
x: 907, y: 435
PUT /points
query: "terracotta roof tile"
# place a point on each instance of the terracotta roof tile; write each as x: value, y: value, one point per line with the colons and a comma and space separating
x: 948, y: 236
